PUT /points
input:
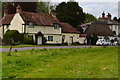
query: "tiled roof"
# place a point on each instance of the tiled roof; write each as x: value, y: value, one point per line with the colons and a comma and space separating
x: 37, y: 18
x: 7, y: 19
x: 67, y: 28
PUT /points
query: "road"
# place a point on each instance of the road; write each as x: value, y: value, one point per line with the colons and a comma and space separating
x: 50, y: 47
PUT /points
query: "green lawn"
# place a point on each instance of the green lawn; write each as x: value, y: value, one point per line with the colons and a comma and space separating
x: 22, y: 45
x: 62, y: 63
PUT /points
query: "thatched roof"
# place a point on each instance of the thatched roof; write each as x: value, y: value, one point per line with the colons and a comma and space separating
x: 100, y: 28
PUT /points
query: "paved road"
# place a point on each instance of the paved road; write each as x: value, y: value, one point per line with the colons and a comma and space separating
x: 50, y: 47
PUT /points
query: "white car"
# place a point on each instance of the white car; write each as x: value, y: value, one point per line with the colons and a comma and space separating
x: 105, y: 42
x: 102, y: 42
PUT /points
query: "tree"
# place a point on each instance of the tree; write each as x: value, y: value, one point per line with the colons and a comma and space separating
x: 42, y: 7
x: 89, y: 17
x: 26, y: 6
x: 71, y: 13
x: 115, y: 18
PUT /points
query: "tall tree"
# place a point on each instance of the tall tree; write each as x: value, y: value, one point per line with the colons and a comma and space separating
x: 71, y: 13
x: 89, y: 17
x: 42, y: 7
x: 26, y: 6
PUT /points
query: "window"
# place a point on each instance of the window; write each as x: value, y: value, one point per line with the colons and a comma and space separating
x: 50, y: 38
x: 31, y: 25
x: 115, y: 27
x: 56, y: 26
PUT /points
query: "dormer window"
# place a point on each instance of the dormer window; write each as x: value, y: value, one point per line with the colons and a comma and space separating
x: 56, y: 26
x: 31, y: 25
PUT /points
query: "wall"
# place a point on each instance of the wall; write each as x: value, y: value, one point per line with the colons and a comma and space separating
x: 114, y: 28
x: 57, y: 39
x: 68, y: 35
x: 82, y: 40
x: 1, y: 32
x: 43, y: 29
x: 16, y: 23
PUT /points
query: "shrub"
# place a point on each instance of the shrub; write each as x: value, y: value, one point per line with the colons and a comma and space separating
x: 11, y: 37
x: 28, y: 39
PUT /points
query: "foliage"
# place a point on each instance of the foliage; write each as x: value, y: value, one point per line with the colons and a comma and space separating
x: 89, y: 17
x: 27, y: 39
x: 71, y: 13
x: 94, y: 39
x: 62, y: 63
x: 114, y: 32
x: 26, y: 6
x: 12, y: 36
x: 115, y: 18
x: 44, y: 40
x: 42, y: 7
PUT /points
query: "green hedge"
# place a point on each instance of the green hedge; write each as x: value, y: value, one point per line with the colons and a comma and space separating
x: 13, y: 37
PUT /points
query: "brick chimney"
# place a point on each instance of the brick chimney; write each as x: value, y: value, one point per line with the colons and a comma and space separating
x: 103, y: 15
x: 53, y: 13
x: 109, y: 16
x: 18, y: 9
x: 5, y: 12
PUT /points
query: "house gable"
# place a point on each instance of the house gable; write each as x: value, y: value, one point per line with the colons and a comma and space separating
x: 17, y: 23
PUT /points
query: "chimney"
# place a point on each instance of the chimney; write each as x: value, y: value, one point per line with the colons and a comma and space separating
x: 18, y: 9
x: 53, y: 13
x: 5, y: 12
x: 109, y: 16
x: 103, y: 15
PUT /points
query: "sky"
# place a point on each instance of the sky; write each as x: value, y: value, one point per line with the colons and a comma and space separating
x: 96, y: 7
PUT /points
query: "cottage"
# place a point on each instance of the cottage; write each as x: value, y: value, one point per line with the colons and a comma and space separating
x: 69, y: 34
x: 102, y: 27
x: 40, y: 27
x: 36, y: 25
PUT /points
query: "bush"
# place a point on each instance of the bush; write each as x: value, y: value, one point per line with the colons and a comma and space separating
x: 28, y: 39
x: 11, y: 37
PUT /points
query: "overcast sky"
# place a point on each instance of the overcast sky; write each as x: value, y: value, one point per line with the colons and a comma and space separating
x: 96, y: 7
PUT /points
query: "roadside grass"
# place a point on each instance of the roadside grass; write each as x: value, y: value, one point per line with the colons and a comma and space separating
x: 92, y: 62
x: 20, y: 46
x: 27, y: 45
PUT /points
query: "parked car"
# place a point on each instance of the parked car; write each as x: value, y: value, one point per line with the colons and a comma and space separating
x: 103, y: 42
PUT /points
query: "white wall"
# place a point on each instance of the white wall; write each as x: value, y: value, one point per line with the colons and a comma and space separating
x: 16, y: 23
x: 1, y: 32
x: 68, y: 35
x: 57, y: 39
x: 82, y: 40
x: 43, y: 29
x: 114, y: 28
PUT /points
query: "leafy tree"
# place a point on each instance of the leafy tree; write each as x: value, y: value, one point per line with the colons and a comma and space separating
x: 115, y: 18
x: 42, y: 7
x: 71, y: 13
x: 89, y: 17
x: 26, y: 6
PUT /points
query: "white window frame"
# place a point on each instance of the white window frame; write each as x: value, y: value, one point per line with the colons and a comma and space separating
x: 50, y: 38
